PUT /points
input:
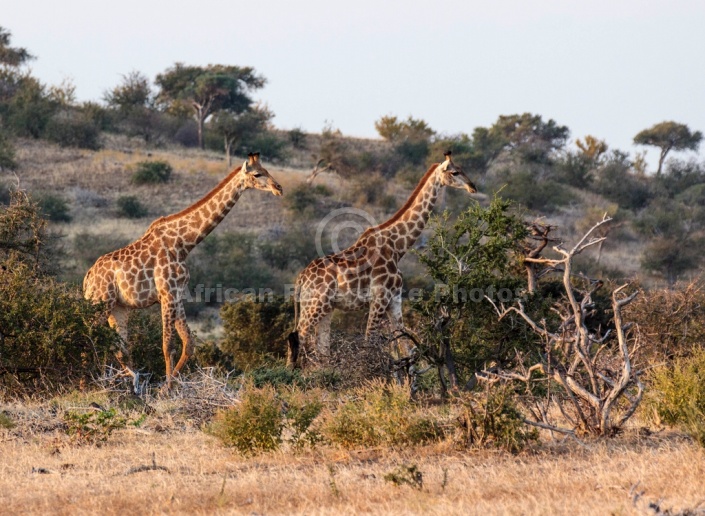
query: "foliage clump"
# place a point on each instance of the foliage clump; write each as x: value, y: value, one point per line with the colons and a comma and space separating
x: 50, y: 336
x: 490, y: 418
x: 258, y: 421
x: 130, y: 207
x: 677, y: 394
x: 379, y: 414
x: 152, y: 172
x: 95, y: 427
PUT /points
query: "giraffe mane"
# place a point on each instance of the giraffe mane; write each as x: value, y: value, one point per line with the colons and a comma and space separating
x: 200, y: 202
x: 409, y: 202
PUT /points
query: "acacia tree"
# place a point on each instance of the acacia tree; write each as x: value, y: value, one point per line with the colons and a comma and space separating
x: 233, y: 126
x: 207, y: 90
x: 411, y: 137
x: 669, y: 136
x: 12, y: 56
x: 133, y: 100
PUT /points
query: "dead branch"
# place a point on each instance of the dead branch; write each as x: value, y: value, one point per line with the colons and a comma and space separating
x: 594, y: 376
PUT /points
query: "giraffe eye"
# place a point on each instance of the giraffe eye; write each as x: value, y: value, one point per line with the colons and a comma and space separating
x: 256, y: 174
x: 454, y: 173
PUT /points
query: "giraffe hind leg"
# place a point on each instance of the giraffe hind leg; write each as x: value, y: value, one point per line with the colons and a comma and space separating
x: 187, y: 341
x: 118, y: 321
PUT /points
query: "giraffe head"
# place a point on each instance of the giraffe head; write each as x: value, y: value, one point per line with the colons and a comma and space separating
x: 256, y: 176
x: 452, y: 175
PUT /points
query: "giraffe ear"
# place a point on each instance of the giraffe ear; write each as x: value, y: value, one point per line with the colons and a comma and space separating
x: 256, y: 157
x: 447, y: 154
x: 244, y: 167
x: 250, y: 158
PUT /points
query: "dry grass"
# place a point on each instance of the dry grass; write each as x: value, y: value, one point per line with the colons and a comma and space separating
x: 42, y: 472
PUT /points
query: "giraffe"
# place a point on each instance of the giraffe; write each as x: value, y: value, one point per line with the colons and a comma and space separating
x: 366, y: 273
x: 152, y: 269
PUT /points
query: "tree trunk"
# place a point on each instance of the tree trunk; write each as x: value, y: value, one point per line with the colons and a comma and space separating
x: 228, y: 148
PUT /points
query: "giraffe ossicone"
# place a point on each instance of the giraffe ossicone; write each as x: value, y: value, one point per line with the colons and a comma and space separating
x: 366, y: 274
x: 152, y: 269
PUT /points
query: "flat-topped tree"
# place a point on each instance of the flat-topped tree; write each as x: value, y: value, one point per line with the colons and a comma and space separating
x: 205, y: 90
x: 669, y: 136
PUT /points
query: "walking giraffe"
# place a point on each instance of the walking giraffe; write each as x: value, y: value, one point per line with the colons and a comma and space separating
x: 367, y: 273
x: 153, y: 269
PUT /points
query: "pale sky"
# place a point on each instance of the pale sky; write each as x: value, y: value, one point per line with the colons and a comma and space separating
x: 603, y: 67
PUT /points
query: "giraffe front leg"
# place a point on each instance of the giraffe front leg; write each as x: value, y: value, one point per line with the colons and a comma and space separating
x: 168, y: 318
x: 187, y: 341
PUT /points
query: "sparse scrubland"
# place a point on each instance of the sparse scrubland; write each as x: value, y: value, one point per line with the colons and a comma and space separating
x: 532, y: 377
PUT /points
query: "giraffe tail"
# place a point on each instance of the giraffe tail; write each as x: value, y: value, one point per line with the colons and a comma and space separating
x: 294, y: 343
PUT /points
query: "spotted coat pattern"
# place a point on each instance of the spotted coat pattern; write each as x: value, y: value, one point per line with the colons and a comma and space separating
x: 152, y: 269
x: 367, y: 274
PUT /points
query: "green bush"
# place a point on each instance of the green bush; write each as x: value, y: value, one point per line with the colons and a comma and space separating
x: 255, y: 329
x: 70, y: 129
x: 152, y: 172
x: 54, y: 208
x: 7, y: 153
x: 677, y: 394
x: 144, y: 333
x: 93, y: 427
x: 51, y: 336
x: 278, y: 375
x: 297, y: 138
x: 253, y: 425
x: 222, y: 267
x: 302, y: 409
x: 304, y: 199
x: 491, y: 419
x: 544, y: 195
x: 379, y: 414
x: 130, y: 207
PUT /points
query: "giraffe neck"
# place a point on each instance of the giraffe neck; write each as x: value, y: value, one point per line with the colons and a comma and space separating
x: 407, y: 224
x: 189, y: 227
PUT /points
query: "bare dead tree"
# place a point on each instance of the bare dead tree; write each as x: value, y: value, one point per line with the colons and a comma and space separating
x: 322, y: 165
x: 586, y: 375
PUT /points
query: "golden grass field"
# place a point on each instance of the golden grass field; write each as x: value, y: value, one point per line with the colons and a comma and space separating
x: 42, y: 471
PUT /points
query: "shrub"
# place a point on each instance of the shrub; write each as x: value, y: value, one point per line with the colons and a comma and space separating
x: 255, y: 329
x: 93, y: 427
x: 7, y: 153
x: 290, y: 248
x: 379, y: 414
x: 253, y: 425
x: 144, y: 333
x: 490, y: 418
x: 544, y: 195
x: 278, y: 375
x: 304, y: 199
x: 6, y: 421
x: 73, y: 130
x: 302, y: 408
x: 52, y: 337
x: 269, y: 144
x: 152, y: 172
x: 54, y: 208
x: 130, y: 207
x: 677, y: 394
x: 226, y: 266
x: 297, y: 138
